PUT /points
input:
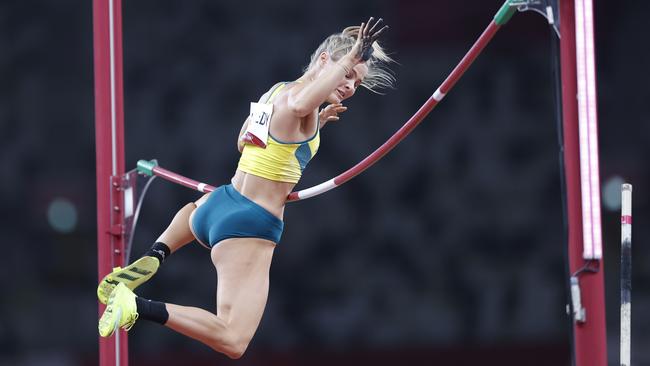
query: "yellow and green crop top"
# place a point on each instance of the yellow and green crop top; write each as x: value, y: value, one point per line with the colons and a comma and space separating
x: 280, y: 161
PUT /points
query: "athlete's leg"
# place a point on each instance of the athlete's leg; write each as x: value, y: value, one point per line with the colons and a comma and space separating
x: 242, y: 266
x: 178, y: 232
x: 177, y: 235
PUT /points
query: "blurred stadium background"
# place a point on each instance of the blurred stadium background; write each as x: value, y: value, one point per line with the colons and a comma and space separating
x: 449, y: 251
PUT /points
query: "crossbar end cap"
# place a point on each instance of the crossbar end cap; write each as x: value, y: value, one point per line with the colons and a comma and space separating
x: 146, y: 166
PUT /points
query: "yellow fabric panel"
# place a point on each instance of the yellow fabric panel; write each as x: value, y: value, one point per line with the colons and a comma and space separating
x: 278, y: 161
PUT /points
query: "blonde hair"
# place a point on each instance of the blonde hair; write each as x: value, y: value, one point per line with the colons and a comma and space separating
x: 339, y: 44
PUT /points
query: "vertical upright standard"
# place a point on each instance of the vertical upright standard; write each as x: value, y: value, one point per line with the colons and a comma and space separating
x: 109, y: 140
x: 580, y: 123
x: 626, y: 274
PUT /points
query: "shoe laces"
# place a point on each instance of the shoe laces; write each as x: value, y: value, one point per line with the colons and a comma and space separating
x: 130, y: 321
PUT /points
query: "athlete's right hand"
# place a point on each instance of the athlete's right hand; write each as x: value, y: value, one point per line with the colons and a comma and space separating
x: 368, y: 34
x: 330, y: 113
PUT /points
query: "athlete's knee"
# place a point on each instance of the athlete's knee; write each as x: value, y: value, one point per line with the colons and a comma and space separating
x: 236, y: 351
x: 237, y: 345
x: 232, y: 350
x: 231, y: 344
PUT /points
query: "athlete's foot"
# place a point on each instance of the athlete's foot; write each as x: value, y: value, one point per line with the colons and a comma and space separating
x: 121, y: 311
x: 133, y: 275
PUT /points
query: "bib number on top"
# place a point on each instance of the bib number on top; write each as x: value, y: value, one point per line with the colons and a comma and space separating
x: 259, y: 120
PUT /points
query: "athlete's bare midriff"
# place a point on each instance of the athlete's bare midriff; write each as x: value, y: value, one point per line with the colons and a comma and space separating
x: 269, y: 194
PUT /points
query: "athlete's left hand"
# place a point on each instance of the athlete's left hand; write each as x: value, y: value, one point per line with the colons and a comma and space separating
x: 330, y: 113
x: 368, y: 34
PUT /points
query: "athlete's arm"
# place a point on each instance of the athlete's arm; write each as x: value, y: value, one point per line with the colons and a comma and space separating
x: 305, y: 97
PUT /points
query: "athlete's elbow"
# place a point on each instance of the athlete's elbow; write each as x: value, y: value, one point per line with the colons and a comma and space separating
x: 299, y: 109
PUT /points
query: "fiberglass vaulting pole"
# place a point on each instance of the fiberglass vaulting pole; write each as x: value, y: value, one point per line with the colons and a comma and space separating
x: 582, y: 181
x: 109, y: 142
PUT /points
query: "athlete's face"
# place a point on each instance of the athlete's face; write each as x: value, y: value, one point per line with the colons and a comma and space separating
x: 349, y: 84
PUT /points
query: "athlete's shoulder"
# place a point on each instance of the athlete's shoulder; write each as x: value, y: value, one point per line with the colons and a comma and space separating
x: 273, y: 90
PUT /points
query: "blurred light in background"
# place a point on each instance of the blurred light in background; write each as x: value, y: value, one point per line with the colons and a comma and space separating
x: 62, y: 215
x: 612, y: 193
